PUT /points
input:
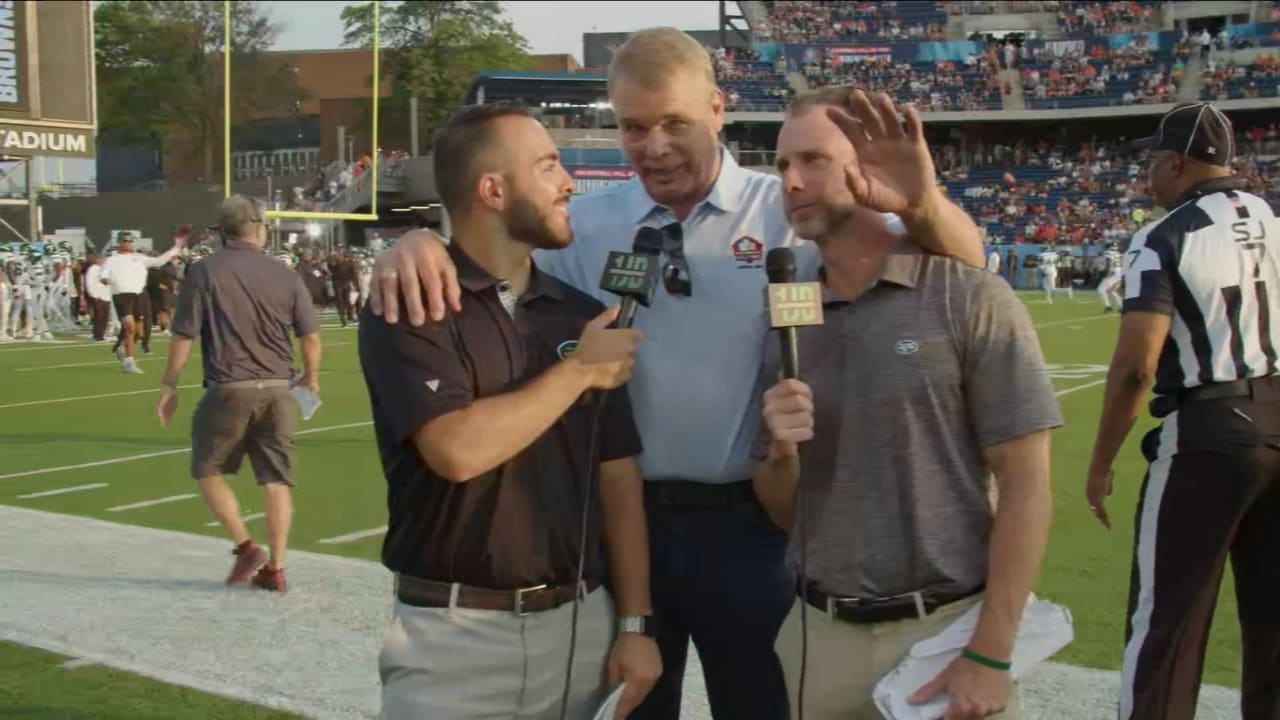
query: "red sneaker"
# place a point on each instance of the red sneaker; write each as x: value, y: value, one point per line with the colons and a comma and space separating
x: 269, y: 579
x: 249, y: 559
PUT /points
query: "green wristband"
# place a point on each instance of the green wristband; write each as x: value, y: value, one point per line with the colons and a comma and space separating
x: 985, y: 661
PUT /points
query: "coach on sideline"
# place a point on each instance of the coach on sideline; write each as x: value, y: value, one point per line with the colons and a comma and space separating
x: 1201, y: 303
x: 241, y: 303
x: 926, y: 373
x: 718, y: 563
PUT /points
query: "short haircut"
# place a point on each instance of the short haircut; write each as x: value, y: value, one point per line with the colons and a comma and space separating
x: 835, y: 96
x: 458, y: 146
x: 237, y: 214
x: 651, y: 57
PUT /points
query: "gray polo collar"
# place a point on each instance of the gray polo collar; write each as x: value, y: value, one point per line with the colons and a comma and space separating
x: 901, y: 267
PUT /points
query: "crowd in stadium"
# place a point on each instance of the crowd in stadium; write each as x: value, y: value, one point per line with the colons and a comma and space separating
x: 1230, y: 80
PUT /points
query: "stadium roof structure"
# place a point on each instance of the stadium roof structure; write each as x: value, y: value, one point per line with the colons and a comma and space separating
x: 535, y: 87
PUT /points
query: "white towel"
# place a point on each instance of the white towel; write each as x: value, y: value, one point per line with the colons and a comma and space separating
x: 1045, y: 629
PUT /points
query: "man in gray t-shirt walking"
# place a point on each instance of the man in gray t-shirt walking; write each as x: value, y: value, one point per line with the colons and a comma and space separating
x: 925, y: 377
x: 241, y: 304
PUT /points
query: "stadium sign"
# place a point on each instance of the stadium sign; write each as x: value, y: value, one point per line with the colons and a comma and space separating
x: 589, y: 179
x: 47, y: 98
x: 28, y: 140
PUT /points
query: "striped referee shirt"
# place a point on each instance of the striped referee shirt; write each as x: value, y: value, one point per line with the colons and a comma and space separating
x: 1213, y: 266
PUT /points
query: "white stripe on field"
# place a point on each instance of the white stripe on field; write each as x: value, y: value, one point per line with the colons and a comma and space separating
x: 1086, y: 386
x: 103, y: 395
x: 162, y: 453
x: 149, y: 503
x: 137, y: 359
x: 350, y: 537
x: 62, y: 491
x: 78, y: 663
x: 1056, y: 323
x: 89, y: 397
x: 246, y: 518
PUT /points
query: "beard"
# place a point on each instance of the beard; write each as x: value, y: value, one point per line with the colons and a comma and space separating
x: 818, y: 227
x: 529, y: 224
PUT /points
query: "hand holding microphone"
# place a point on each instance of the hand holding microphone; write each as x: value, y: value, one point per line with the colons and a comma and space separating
x: 608, y: 354
x: 788, y: 405
x: 606, y: 348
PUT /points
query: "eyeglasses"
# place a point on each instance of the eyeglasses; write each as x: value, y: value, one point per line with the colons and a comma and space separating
x: 676, y: 277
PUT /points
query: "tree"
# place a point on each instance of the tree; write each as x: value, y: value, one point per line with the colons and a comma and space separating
x: 159, y: 67
x: 434, y: 49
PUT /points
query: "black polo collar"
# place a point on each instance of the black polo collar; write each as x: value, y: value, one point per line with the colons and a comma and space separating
x: 476, y: 279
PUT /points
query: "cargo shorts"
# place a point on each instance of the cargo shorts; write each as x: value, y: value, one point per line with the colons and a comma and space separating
x: 257, y: 418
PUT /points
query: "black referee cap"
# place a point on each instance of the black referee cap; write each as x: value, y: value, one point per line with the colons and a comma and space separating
x: 1197, y: 130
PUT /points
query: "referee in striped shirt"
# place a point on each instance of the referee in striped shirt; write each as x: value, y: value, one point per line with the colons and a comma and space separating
x: 1202, y: 302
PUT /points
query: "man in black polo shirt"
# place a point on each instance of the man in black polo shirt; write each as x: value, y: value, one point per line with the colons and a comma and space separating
x: 1202, y: 299
x: 484, y: 426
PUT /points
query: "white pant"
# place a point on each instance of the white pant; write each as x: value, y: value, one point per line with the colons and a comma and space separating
x: 21, y: 302
x: 1109, y: 290
x: 1050, y: 280
x: 364, y: 282
x: 39, y: 306
x: 6, y: 304
x: 458, y: 664
x: 59, y: 310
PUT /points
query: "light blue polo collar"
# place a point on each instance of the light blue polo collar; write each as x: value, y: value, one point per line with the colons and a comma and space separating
x: 725, y: 195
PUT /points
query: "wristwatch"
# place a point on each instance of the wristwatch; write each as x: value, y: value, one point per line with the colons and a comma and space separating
x: 646, y: 625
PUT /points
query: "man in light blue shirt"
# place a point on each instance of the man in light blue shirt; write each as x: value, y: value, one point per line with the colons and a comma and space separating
x: 719, y: 575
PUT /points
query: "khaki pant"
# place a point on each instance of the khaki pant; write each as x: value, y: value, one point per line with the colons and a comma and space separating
x: 462, y: 664
x: 847, y: 660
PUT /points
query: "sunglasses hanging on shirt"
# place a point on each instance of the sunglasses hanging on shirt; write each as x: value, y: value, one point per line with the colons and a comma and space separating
x: 676, y: 277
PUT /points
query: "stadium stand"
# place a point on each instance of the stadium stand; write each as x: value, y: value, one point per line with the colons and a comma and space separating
x: 842, y: 22
x: 1078, y: 19
x: 1232, y: 81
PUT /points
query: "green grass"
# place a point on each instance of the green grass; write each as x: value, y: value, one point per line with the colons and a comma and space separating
x: 340, y: 488
x: 35, y: 686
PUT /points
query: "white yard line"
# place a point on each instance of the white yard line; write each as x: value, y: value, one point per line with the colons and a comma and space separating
x: 46, y: 345
x: 149, y: 503
x: 152, y: 358
x: 1086, y: 386
x: 351, y: 537
x: 78, y: 663
x: 89, y: 397
x: 161, y: 453
x: 102, y: 395
x: 246, y: 518
x: 1091, y: 318
x: 62, y: 491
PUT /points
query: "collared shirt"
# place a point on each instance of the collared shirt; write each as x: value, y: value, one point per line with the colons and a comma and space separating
x: 127, y: 272
x: 911, y: 381
x: 242, y: 304
x: 1211, y: 265
x: 517, y: 525
x: 701, y: 358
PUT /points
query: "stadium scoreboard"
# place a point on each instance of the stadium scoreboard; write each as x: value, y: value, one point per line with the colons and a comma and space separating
x: 48, y: 102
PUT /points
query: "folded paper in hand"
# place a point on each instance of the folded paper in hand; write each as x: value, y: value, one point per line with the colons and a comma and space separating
x: 308, y: 401
x: 1045, y: 629
x: 610, y: 705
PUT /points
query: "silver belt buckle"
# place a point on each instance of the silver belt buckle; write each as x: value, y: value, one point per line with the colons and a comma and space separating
x: 520, y: 611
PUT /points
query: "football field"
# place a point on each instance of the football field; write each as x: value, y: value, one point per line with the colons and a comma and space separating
x: 79, y: 438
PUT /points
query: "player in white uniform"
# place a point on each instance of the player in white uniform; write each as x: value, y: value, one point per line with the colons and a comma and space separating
x: 364, y: 276
x: 59, y: 308
x: 38, y: 281
x: 1049, y: 272
x: 20, y: 319
x: 1109, y: 288
x: 6, y: 294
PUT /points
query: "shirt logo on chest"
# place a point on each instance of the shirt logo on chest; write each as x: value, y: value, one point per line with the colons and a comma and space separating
x: 566, y: 348
x: 747, y: 251
x: 906, y: 347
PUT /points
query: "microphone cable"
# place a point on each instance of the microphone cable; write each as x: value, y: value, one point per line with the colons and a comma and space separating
x: 592, y: 480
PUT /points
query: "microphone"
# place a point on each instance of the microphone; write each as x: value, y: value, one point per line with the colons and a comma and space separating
x: 633, y: 276
x: 791, y: 304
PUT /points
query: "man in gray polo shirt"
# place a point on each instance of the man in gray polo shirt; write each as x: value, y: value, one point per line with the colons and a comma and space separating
x: 241, y: 303
x: 926, y: 376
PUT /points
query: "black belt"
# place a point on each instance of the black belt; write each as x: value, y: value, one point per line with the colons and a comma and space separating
x: 523, y: 601
x: 856, y: 610
x: 1163, y: 405
x: 688, y: 494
